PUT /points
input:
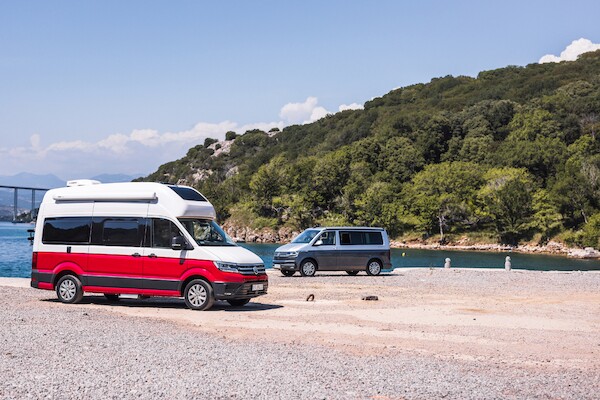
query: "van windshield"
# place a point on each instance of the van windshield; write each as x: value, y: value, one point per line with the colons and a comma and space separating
x: 306, y: 236
x: 206, y: 232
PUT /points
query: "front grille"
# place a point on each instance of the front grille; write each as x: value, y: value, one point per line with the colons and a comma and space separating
x: 282, y: 255
x: 254, y: 269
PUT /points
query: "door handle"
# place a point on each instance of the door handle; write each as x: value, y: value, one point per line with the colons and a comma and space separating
x: 152, y: 255
x: 136, y: 255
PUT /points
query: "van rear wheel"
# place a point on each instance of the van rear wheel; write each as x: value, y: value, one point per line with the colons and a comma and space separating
x: 198, y: 295
x: 308, y: 268
x: 374, y: 267
x: 69, y: 289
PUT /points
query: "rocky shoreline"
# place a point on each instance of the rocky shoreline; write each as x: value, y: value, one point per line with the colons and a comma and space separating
x: 551, y: 247
x: 285, y: 235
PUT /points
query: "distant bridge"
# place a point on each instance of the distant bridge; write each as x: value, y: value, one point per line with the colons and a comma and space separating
x: 16, y: 197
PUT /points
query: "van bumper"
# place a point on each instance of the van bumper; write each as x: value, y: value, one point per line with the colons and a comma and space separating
x: 285, y: 265
x: 236, y: 290
x: 43, y: 278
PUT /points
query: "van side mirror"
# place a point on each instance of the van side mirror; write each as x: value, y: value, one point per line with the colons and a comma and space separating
x: 179, y: 243
x: 318, y: 243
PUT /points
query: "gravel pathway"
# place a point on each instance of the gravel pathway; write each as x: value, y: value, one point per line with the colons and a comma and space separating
x: 50, y: 350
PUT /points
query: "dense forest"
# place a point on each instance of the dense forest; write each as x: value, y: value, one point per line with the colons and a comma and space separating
x: 512, y: 156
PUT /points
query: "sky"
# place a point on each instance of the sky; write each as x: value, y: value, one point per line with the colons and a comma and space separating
x: 92, y: 87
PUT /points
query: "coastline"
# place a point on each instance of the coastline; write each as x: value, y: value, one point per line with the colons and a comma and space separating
x: 552, y: 248
x: 285, y: 235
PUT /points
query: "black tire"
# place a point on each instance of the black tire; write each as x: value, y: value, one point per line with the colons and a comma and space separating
x: 111, y: 297
x: 287, y: 273
x: 69, y: 289
x: 308, y: 267
x: 238, y: 302
x: 198, y: 295
x: 352, y: 273
x: 374, y: 267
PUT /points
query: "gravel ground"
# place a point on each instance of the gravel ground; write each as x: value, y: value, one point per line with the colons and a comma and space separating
x: 51, y: 350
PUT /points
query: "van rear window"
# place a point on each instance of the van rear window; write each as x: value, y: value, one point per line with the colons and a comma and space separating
x: 358, y: 238
x: 187, y: 193
x: 67, y: 230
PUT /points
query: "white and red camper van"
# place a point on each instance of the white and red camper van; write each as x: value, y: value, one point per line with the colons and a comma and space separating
x: 142, y: 238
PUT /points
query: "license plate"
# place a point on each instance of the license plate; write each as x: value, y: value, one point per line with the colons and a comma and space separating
x: 276, y: 266
x: 257, y: 286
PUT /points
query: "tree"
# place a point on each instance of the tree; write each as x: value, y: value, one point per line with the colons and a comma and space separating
x: 209, y: 141
x: 400, y: 160
x: 230, y: 135
x: 546, y: 218
x: 507, y: 198
x: 441, y: 194
x: 265, y: 184
x: 590, y: 234
x: 329, y: 176
x: 380, y: 206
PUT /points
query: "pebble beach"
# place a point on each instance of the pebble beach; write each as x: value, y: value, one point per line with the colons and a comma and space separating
x: 432, y: 334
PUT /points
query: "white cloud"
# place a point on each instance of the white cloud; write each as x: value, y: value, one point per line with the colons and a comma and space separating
x: 572, y: 51
x: 353, y: 106
x: 142, y: 150
x: 302, y: 113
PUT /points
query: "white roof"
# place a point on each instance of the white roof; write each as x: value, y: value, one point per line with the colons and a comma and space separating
x: 132, y: 192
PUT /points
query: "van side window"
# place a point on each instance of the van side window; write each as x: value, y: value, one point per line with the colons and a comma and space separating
x: 345, y: 238
x: 374, y: 238
x: 67, y: 230
x: 328, y: 238
x: 121, y: 232
x: 163, y: 232
x: 358, y: 238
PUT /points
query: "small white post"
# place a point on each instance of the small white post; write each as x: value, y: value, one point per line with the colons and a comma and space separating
x: 507, y: 263
x: 447, y: 263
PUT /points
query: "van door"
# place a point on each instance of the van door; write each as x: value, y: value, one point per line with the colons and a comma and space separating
x: 325, y: 252
x: 352, y: 254
x: 115, y: 252
x: 163, y: 266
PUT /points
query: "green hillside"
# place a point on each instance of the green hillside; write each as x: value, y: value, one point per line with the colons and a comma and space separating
x: 512, y: 154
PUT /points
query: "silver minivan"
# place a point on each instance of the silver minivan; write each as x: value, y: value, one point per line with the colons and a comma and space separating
x: 350, y: 249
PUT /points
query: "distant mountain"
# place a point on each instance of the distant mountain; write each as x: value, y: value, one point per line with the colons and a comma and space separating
x: 114, y: 178
x: 26, y: 179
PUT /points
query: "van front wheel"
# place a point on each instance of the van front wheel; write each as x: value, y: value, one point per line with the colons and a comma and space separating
x: 69, y: 289
x: 198, y: 295
x: 308, y: 268
x: 374, y: 267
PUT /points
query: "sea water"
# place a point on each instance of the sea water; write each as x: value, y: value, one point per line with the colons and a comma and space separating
x: 15, y: 256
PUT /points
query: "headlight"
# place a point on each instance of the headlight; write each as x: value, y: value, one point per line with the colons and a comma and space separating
x: 226, y: 267
x: 293, y: 254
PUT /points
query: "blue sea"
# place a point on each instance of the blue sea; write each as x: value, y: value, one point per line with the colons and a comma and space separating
x: 15, y: 256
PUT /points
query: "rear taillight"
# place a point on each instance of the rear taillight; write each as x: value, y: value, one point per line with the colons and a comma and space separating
x: 34, y: 260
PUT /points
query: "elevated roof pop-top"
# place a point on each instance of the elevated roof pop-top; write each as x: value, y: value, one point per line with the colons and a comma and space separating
x: 181, y: 201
